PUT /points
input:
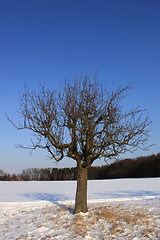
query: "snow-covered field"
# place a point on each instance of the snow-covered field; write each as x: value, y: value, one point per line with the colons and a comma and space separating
x: 118, y: 209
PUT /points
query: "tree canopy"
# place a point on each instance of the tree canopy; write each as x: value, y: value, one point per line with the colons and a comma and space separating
x: 84, y: 121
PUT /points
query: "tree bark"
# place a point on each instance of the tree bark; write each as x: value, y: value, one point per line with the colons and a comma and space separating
x: 81, y: 192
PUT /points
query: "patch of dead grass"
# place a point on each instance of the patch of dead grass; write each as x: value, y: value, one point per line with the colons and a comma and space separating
x: 79, y: 225
x: 105, y: 213
x: 119, y: 217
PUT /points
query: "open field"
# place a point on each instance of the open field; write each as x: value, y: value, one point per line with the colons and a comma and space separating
x: 118, y: 209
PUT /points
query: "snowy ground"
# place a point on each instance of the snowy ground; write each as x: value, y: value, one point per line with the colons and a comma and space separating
x: 118, y: 209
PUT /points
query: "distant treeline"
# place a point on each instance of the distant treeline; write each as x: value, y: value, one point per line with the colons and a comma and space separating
x: 128, y: 168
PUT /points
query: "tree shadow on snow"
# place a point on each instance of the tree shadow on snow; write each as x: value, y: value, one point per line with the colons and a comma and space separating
x: 53, y: 198
x: 128, y: 194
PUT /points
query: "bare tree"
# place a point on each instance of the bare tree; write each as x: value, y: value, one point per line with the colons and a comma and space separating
x: 85, y: 122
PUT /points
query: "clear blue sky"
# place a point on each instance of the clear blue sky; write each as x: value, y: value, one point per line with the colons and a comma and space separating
x: 52, y: 40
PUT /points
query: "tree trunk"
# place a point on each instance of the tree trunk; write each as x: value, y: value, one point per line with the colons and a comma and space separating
x: 81, y: 192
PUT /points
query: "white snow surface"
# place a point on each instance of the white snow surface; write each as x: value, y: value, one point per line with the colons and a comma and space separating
x: 117, y: 209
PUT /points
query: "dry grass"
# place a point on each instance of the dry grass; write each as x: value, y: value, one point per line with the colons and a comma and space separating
x: 79, y: 225
x: 105, y: 222
x: 107, y: 213
x: 118, y: 217
x: 109, y: 221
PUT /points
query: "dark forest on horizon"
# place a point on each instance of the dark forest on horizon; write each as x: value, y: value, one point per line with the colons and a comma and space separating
x: 141, y: 167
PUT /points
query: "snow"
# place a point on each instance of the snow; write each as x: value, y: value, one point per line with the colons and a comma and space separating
x: 118, y: 209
